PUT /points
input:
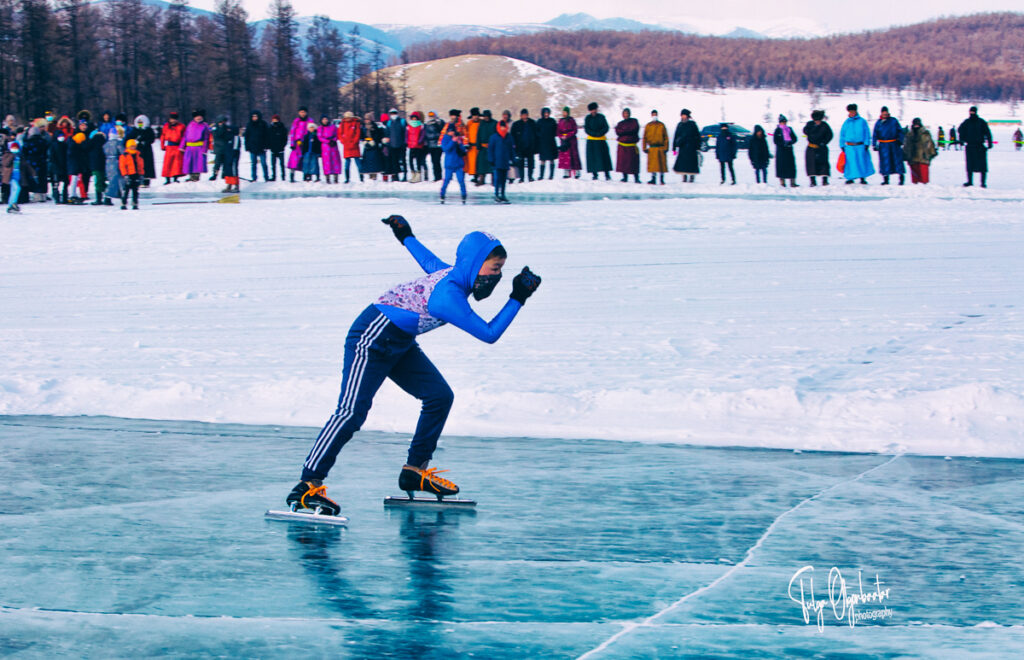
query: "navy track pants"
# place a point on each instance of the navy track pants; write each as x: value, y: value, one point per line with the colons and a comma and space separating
x: 376, y: 349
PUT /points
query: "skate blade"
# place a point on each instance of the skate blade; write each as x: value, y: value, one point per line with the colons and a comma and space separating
x: 428, y: 502
x: 299, y: 516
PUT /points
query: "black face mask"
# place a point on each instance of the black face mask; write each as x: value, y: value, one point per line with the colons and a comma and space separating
x: 484, y: 285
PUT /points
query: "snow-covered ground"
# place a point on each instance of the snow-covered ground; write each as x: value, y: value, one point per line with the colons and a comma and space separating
x: 849, y: 317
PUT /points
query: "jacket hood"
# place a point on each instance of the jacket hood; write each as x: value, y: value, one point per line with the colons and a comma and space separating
x: 144, y: 119
x: 470, y: 257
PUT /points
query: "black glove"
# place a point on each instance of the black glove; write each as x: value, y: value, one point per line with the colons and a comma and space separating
x: 400, y: 226
x: 524, y: 284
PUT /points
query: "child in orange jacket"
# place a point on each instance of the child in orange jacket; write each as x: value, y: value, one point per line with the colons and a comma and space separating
x: 132, y: 169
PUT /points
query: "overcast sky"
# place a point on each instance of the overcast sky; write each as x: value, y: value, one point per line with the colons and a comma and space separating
x: 836, y: 16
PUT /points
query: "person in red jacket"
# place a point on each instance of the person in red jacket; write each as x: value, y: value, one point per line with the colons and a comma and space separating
x: 171, y: 135
x: 350, y: 133
x: 416, y: 142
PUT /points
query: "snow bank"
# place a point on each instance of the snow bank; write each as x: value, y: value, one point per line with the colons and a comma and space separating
x: 889, y: 323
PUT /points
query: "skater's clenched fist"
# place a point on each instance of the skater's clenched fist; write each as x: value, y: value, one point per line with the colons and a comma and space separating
x: 524, y: 284
x: 400, y: 226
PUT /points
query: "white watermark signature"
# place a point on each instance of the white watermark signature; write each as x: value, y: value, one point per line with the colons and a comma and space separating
x: 844, y: 604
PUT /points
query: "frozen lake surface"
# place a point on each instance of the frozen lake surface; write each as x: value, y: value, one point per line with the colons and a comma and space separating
x: 127, y: 538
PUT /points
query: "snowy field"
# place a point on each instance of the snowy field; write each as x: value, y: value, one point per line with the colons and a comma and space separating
x: 843, y: 318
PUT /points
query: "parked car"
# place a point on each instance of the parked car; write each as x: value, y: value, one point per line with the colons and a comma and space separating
x: 709, y: 136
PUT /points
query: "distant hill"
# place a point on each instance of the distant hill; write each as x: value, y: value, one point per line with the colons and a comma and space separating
x: 973, y: 57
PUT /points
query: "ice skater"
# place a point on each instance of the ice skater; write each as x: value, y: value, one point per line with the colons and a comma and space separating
x: 382, y: 344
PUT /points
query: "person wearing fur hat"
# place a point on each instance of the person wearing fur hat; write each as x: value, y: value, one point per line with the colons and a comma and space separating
x: 311, y: 148
x: 887, y: 139
x: 785, y: 159
x: 277, y: 140
x: 171, y: 136
x: 547, y: 142
x: 296, y: 134
x: 144, y: 137
x: 198, y: 141
x: 131, y: 168
x: 327, y: 133
x: 568, y: 152
x: 350, y: 134
x: 599, y: 158
x: 818, y: 134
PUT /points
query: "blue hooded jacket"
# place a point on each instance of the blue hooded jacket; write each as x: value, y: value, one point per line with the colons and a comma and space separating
x: 442, y: 295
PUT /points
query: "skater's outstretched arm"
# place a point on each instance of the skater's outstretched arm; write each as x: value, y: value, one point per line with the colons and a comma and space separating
x: 449, y: 304
x: 427, y: 260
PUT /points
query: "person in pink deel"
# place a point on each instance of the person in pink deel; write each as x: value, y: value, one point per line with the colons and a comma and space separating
x: 327, y: 132
x: 295, y: 135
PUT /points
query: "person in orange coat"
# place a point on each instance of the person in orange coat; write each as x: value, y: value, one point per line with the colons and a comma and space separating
x: 472, y: 132
x: 131, y: 167
x: 171, y: 136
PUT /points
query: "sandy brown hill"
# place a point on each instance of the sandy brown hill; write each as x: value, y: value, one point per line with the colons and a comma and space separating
x: 495, y: 82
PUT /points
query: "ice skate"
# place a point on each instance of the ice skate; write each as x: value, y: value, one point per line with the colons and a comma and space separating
x: 413, y: 480
x: 308, y: 503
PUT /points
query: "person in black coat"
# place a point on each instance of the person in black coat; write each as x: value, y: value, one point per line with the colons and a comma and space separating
x: 785, y: 158
x: 524, y: 136
x: 256, y: 137
x: 223, y: 140
x: 98, y: 164
x: 818, y: 134
x: 725, y: 151
x: 976, y: 137
x: 35, y: 152
x: 144, y: 135
x: 599, y: 159
x: 57, y: 167
x: 686, y: 143
x: 277, y: 140
x: 759, y: 154
x: 547, y: 144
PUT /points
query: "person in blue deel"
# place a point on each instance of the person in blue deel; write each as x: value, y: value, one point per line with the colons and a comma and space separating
x: 382, y: 344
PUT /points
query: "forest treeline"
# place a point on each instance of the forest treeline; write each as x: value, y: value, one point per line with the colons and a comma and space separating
x: 125, y: 55
x: 973, y: 57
